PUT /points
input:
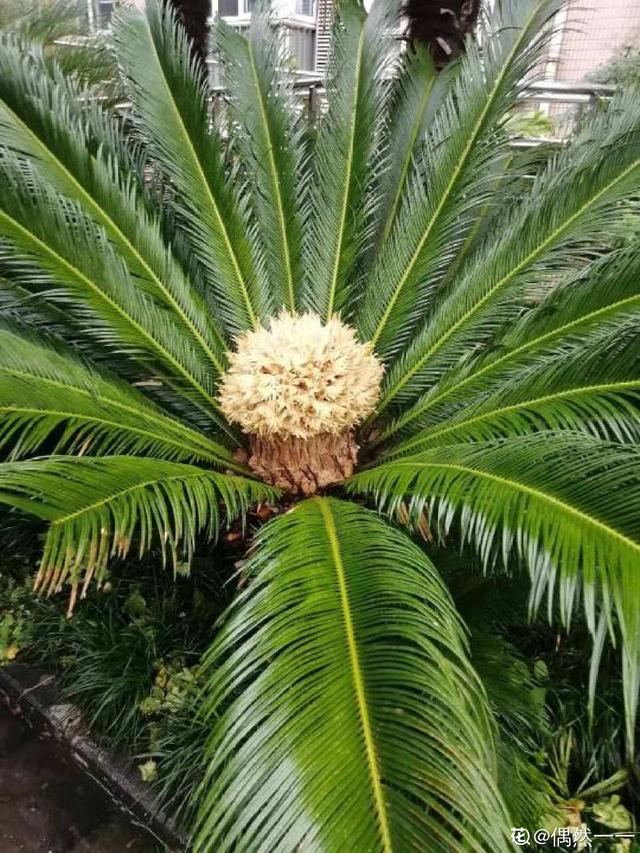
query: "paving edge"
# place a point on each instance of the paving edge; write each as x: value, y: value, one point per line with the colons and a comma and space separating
x: 34, y: 694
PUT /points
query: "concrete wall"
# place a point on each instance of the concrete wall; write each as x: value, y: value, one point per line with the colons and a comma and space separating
x: 593, y: 31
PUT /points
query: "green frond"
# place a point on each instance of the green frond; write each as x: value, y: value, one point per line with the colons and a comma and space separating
x: 599, y: 303
x: 567, y: 504
x: 346, y: 154
x: 44, y: 387
x: 169, y: 100
x: 595, y: 389
x: 40, y: 119
x: 417, y: 91
x: 269, y: 139
x: 520, y: 715
x: 101, y: 126
x: 508, y: 176
x: 99, y: 507
x: 568, y: 217
x: 451, y: 181
x: 18, y: 304
x: 344, y: 712
x: 51, y: 246
x: 40, y: 23
x: 59, y: 29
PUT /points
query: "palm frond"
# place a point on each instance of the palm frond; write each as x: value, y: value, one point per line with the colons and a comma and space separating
x: 101, y: 126
x: 42, y: 23
x: 18, y: 304
x: 345, y: 154
x: 169, y: 99
x: 40, y: 119
x: 451, y: 179
x: 568, y: 218
x: 507, y: 178
x: 417, y: 92
x: 269, y: 136
x: 51, y: 246
x: 583, y: 311
x: 60, y: 29
x: 47, y: 391
x: 520, y: 714
x: 378, y: 672
x: 99, y: 507
x: 567, y: 504
x: 596, y: 389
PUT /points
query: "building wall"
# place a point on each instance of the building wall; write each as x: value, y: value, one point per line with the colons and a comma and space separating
x: 593, y: 31
x: 298, y: 17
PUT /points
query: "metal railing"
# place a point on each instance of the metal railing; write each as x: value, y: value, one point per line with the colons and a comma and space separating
x: 564, y: 105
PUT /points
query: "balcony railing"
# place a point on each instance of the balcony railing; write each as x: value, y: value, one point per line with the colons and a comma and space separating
x: 564, y: 105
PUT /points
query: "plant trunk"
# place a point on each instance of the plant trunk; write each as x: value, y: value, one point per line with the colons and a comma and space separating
x: 441, y: 25
x: 304, y: 465
x: 194, y: 15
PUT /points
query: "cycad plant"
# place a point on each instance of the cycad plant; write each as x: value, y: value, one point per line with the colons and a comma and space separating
x: 61, y: 28
x: 362, y: 327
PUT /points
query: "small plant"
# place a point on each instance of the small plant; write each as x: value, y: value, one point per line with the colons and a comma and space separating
x: 177, y: 737
x: 17, y: 618
x: 173, y: 682
x: 623, y: 69
x: 590, y: 801
x: 108, y: 658
x: 532, y: 125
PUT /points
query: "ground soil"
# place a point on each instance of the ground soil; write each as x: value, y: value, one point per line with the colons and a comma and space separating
x: 47, y: 805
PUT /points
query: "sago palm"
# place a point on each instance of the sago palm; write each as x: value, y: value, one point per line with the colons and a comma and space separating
x: 208, y: 314
x: 62, y: 29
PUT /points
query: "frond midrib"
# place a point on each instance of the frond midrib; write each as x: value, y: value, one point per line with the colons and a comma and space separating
x: 78, y: 274
x: 162, y: 420
x: 527, y: 490
x: 424, y: 100
x: 504, y: 410
x: 196, y: 160
x: 458, y: 259
x: 275, y: 179
x: 356, y: 670
x: 347, y: 183
x: 523, y: 348
x: 477, y: 128
x: 106, y: 219
x: 128, y: 490
x: 529, y: 259
x: 75, y: 416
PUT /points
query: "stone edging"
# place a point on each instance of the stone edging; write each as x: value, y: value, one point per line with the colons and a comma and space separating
x: 34, y: 694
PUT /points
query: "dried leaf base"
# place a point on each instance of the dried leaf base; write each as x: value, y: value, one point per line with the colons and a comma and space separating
x: 303, y: 466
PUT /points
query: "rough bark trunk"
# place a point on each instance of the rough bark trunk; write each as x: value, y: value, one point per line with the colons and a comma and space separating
x: 441, y: 25
x: 194, y: 16
x: 303, y: 466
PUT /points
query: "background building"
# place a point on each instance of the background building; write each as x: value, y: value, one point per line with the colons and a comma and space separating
x: 99, y: 12
x: 307, y: 26
x: 589, y: 34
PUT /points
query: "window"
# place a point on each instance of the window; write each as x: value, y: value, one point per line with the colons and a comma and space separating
x: 228, y: 8
x: 305, y: 7
x: 100, y: 13
x: 302, y: 45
